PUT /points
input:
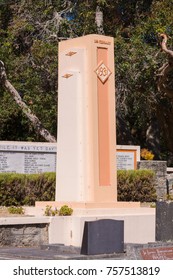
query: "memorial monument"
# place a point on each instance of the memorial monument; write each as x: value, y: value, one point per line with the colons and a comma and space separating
x: 86, y: 161
x: 86, y: 121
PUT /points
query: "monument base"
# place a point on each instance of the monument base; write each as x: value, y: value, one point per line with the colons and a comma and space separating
x: 138, y: 227
x: 139, y: 222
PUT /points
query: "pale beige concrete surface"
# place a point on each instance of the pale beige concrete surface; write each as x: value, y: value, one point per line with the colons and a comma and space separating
x: 86, y: 109
x: 138, y: 227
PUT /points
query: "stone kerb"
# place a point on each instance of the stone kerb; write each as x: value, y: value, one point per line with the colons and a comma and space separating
x: 160, y: 169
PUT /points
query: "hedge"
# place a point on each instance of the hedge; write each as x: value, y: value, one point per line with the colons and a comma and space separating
x: 136, y: 185
x: 22, y: 189
x: 25, y: 189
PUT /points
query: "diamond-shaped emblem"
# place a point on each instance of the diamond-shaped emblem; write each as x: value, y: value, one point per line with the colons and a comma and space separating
x: 103, y: 72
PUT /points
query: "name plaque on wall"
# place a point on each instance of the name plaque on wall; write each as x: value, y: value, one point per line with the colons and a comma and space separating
x: 33, y: 158
x: 27, y: 158
x: 125, y: 160
x: 127, y: 157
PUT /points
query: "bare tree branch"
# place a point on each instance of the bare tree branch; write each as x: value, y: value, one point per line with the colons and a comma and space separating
x: 4, y: 82
x: 99, y: 20
x: 165, y: 70
x: 164, y: 44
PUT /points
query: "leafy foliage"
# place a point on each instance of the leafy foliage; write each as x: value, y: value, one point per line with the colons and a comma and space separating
x: 16, y: 210
x: 20, y: 189
x: 137, y: 58
x: 50, y: 212
x: 65, y: 210
x: 136, y: 185
x: 32, y: 67
x: 30, y: 32
x: 145, y: 154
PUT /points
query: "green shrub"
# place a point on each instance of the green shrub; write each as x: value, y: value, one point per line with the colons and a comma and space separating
x: 25, y: 189
x: 16, y: 210
x: 136, y: 185
x: 65, y: 211
x: 50, y: 212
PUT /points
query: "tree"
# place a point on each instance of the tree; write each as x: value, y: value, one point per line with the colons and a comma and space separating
x: 35, y: 121
x: 142, y: 107
x: 31, y: 63
x: 30, y: 32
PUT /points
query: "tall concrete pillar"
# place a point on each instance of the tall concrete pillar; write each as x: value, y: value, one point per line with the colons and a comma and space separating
x: 86, y: 151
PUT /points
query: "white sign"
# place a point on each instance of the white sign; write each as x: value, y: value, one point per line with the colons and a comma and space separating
x: 125, y: 160
x: 27, y: 158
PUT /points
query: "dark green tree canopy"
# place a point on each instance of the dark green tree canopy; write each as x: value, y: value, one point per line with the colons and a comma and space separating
x: 29, y: 35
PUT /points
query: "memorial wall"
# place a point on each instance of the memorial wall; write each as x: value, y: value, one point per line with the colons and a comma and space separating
x: 27, y: 158
x: 33, y: 158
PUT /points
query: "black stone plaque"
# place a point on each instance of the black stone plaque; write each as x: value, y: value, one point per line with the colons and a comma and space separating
x: 104, y: 236
x: 164, y: 221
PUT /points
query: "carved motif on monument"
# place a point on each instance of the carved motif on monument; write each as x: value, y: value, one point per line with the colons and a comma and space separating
x: 70, y: 53
x: 103, y: 72
x: 66, y: 76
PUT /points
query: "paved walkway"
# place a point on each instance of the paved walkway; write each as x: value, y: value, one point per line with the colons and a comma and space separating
x: 151, y: 251
x: 57, y: 252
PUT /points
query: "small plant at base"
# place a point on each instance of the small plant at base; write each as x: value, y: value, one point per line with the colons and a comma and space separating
x: 55, y: 212
x: 153, y: 205
x: 65, y: 211
x: 16, y: 210
x: 47, y: 211
x: 50, y: 212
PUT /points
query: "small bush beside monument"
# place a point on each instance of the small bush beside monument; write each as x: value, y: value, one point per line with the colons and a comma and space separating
x: 22, y: 189
x: 65, y: 210
x: 136, y: 185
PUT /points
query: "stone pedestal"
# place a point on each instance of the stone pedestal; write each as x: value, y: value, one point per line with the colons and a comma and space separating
x: 160, y: 169
x: 164, y: 221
